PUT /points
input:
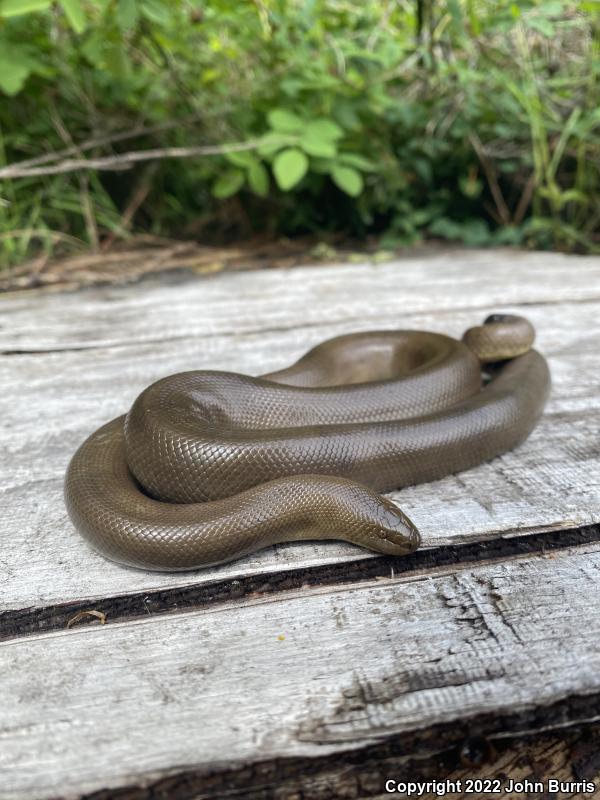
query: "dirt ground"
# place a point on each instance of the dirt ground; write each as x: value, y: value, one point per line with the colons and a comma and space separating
x: 147, y: 255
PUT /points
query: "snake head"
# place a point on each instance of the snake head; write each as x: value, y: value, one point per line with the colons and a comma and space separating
x: 396, y: 533
x: 502, y: 336
x: 367, y: 519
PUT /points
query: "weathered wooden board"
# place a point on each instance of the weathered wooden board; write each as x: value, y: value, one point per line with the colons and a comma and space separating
x: 411, y: 663
x: 284, y: 300
x: 255, y: 322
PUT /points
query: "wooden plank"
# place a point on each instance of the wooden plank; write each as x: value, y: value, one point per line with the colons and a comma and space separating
x: 52, y: 400
x: 284, y: 300
x: 403, y: 666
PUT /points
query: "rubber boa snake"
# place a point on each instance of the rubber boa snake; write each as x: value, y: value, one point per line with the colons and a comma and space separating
x: 208, y: 466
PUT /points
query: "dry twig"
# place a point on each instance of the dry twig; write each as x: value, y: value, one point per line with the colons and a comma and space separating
x: 125, y: 160
x: 490, y: 174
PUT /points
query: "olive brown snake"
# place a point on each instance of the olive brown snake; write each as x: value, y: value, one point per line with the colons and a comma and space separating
x: 208, y: 466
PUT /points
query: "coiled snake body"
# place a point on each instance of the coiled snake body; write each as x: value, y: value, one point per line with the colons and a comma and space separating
x: 209, y: 466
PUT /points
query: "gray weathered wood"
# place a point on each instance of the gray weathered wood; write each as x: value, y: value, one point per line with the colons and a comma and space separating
x: 347, y: 667
x: 283, y: 300
x: 255, y: 322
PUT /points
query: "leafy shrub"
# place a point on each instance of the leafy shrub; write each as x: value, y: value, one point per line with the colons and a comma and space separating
x: 461, y: 119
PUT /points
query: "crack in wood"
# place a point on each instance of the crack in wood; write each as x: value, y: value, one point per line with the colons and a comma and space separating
x: 361, y: 772
x: 16, y: 623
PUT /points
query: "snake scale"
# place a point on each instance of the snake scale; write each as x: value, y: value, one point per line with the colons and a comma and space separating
x: 208, y: 466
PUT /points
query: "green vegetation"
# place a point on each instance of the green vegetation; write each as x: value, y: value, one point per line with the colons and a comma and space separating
x: 469, y: 120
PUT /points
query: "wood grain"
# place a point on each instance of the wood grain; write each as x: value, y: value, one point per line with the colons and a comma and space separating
x: 409, y: 665
x: 283, y: 300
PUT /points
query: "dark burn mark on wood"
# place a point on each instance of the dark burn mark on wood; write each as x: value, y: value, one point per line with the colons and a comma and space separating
x: 585, y: 756
x: 429, y: 754
x: 21, y: 622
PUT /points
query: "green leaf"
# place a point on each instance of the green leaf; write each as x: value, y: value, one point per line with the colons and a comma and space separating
x: 357, y: 161
x: 324, y: 129
x: 312, y: 144
x: 155, y: 11
x: 227, y: 184
x: 16, y: 64
x: 347, y: 179
x: 290, y: 167
x: 12, y: 75
x: 10, y: 8
x: 256, y: 175
x: 284, y: 121
x: 241, y: 158
x: 93, y: 49
x: 127, y: 13
x: 271, y: 143
x: 345, y: 112
x: 319, y: 138
x: 258, y: 179
x: 74, y: 14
